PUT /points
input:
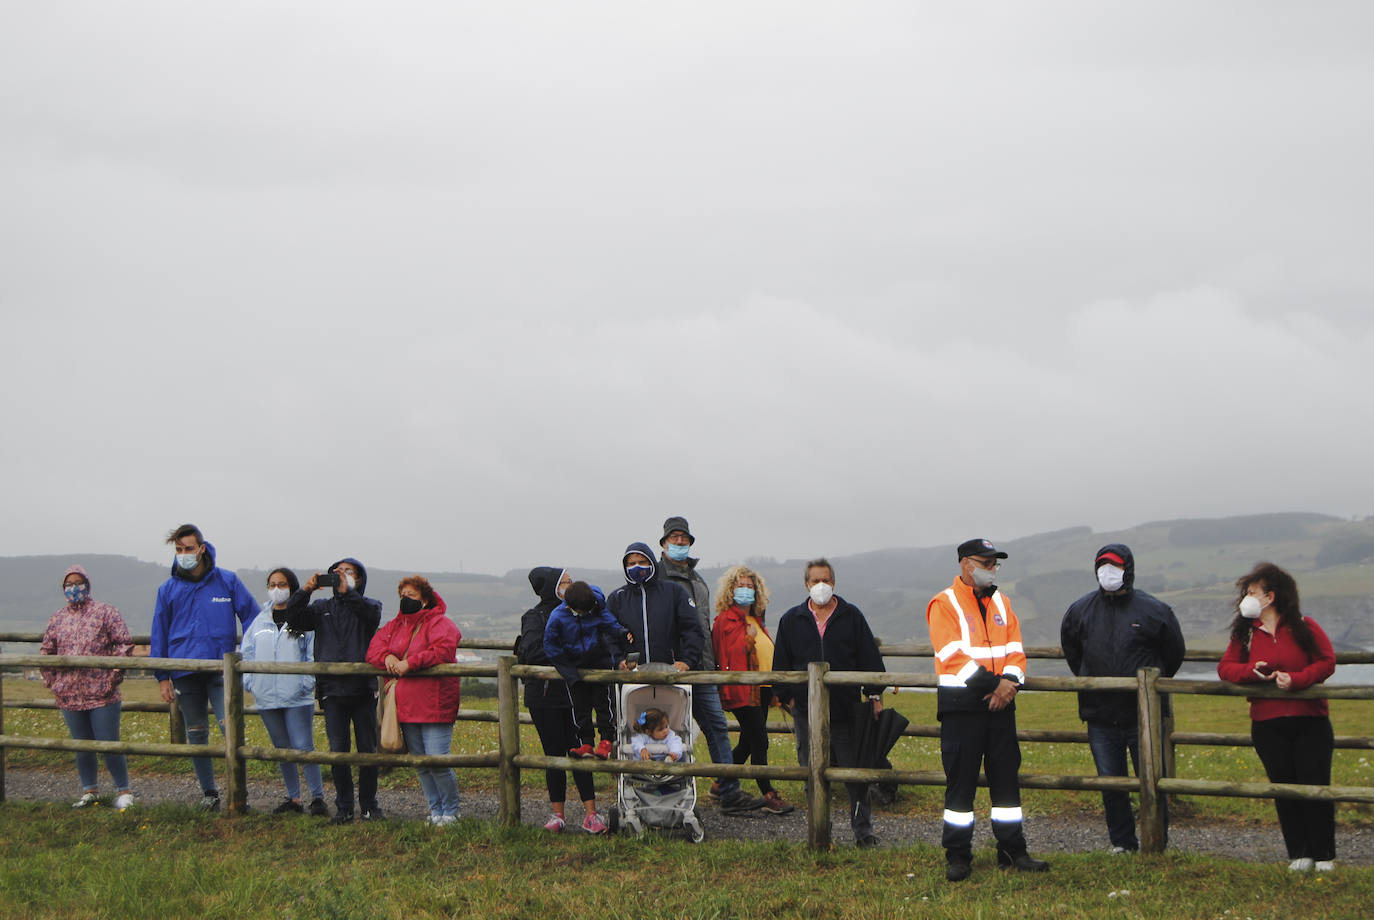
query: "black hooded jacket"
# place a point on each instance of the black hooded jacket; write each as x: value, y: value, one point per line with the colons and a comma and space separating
x: 529, y: 648
x: 344, y: 624
x: 660, y: 614
x: 1106, y: 635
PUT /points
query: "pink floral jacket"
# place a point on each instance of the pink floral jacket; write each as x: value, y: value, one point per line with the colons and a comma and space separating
x: 88, y: 628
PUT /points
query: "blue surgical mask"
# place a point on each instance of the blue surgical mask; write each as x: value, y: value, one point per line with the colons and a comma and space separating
x: 638, y: 574
x: 678, y: 551
x: 188, y: 561
x: 744, y: 596
x: 77, y: 593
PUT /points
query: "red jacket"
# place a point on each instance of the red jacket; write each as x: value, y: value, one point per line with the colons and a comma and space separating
x: 734, y: 649
x: 1282, y: 652
x: 420, y: 698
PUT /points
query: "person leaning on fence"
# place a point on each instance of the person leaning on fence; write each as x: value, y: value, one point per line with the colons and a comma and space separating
x: 1114, y: 632
x: 979, y: 665
x: 421, y: 636
x: 677, y: 565
x: 1273, y: 643
x: 194, y: 617
x: 742, y: 643
x: 583, y: 634
x: 286, y: 702
x: 89, y: 698
x: 344, y: 624
x: 550, y: 705
x: 826, y: 627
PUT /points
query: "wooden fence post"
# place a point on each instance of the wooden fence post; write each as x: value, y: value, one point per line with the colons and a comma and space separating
x: 2, y: 731
x: 235, y: 766
x: 818, y: 755
x: 1151, y: 766
x: 508, y: 711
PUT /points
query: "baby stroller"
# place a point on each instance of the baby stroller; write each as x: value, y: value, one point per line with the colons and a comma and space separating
x: 655, y: 800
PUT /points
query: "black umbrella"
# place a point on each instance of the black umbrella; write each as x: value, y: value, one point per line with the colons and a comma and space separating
x: 875, y: 737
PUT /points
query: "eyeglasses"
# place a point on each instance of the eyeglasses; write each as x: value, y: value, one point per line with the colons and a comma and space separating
x: 991, y: 565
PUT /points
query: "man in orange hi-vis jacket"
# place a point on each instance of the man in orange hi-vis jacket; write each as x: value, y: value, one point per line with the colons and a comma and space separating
x: 980, y: 664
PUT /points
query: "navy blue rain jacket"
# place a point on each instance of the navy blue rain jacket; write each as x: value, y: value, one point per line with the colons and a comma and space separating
x: 659, y: 614
x: 1105, y: 635
x: 344, y: 624
x: 848, y: 645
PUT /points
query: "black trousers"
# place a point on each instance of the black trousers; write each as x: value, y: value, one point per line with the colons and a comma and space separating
x: 587, y: 698
x: 1297, y: 749
x: 970, y: 741
x: 753, y: 736
x: 359, y: 713
x: 558, y: 735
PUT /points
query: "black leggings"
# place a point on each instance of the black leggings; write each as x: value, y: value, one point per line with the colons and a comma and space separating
x: 1297, y: 749
x: 556, y: 735
x: 753, y: 736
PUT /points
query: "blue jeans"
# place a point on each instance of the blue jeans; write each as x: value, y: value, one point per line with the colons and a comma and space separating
x: 439, y: 783
x: 706, y: 710
x: 196, y: 695
x: 294, y: 727
x: 1110, y: 744
x: 101, y: 724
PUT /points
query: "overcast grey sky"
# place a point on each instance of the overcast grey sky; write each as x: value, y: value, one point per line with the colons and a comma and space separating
x: 484, y: 286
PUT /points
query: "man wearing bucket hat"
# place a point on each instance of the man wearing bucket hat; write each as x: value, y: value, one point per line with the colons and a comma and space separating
x: 980, y: 664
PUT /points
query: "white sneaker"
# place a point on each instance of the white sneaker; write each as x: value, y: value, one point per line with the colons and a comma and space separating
x: 86, y: 801
x: 1301, y: 864
x: 123, y: 800
x: 1324, y: 865
x: 446, y: 820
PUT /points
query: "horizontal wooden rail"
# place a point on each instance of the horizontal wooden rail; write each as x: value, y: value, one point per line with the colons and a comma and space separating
x: 114, y: 747
x: 1267, y: 790
x: 353, y: 758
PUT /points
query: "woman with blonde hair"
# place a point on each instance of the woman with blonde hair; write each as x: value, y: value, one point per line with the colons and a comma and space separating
x: 742, y: 643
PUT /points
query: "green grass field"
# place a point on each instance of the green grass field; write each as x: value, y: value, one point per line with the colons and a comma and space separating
x: 1036, y: 710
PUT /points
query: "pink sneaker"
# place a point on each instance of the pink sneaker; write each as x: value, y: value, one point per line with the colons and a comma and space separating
x: 555, y: 824
x: 594, y: 825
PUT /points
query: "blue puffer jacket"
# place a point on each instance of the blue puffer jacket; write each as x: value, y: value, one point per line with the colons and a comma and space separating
x: 592, y: 641
x: 264, y: 640
x: 196, y: 618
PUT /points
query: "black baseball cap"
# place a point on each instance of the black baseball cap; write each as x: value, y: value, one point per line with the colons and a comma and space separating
x: 977, y: 547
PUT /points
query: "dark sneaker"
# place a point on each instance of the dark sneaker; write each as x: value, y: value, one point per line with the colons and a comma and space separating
x: 714, y: 792
x: 289, y: 807
x: 1022, y: 862
x: 958, y: 870
x: 343, y: 817
x: 374, y: 813
x: 739, y: 801
x: 318, y: 809
x: 209, y: 801
x: 603, y: 750
x: 775, y: 804
x: 866, y: 843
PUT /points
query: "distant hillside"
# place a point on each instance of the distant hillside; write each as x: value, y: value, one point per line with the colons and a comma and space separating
x: 1191, y: 564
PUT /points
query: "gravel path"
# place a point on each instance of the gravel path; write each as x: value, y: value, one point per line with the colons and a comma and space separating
x: 1065, y: 834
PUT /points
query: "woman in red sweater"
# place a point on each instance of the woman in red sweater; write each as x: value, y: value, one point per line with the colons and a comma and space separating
x: 1272, y: 642
x: 422, y: 636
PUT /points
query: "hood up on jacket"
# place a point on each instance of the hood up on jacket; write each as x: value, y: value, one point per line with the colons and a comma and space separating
x: 544, y: 580
x: 643, y: 549
x: 178, y: 572
x: 362, y: 572
x: 76, y: 570
x: 1123, y: 552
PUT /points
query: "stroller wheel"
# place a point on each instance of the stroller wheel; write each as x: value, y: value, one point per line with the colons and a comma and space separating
x: 695, y: 832
x: 613, y: 819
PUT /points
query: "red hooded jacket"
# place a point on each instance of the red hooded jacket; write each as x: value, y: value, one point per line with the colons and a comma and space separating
x: 420, y: 698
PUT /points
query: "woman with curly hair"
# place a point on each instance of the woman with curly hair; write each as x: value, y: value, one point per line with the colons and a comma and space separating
x: 421, y: 636
x: 742, y: 643
x: 1271, y: 641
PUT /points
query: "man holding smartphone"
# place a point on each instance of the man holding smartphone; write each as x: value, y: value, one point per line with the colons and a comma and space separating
x: 344, y: 624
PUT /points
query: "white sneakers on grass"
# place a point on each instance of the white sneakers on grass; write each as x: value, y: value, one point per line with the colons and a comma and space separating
x: 86, y: 801
x: 123, y: 800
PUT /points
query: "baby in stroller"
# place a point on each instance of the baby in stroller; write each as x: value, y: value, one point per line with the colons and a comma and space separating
x: 582, y: 633
x: 656, y: 800
x: 655, y: 740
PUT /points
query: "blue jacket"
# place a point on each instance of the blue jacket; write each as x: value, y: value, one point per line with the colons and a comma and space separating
x: 660, y: 614
x: 196, y: 618
x: 264, y: 640
x: 596, y: 640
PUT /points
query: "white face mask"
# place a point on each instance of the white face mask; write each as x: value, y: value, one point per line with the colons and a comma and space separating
x: 188, y: 561
x: 351, y: 582
x: 1250, y: 607
x: 278, y: 595
x: 1111, y: 577
x: 983, y: 578
x: 821, y: 593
